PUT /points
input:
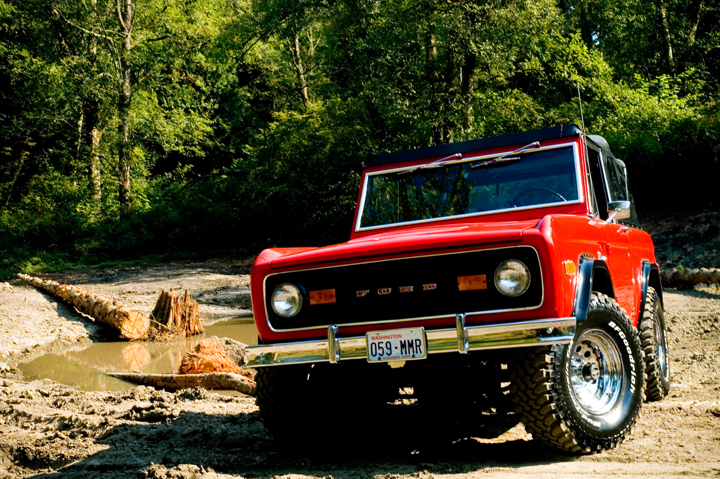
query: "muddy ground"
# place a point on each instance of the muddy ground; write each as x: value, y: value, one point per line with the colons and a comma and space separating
x: 51, y: 430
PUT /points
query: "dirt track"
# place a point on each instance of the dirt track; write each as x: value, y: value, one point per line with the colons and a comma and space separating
x: 51, y: 430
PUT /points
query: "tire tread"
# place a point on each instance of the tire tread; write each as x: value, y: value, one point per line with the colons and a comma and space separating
x: 536, y: 391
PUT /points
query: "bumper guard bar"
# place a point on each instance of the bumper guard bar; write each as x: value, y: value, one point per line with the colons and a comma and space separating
x: 459, y: 339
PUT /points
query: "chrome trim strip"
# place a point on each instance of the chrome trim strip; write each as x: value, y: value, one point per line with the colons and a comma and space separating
x: 578, y: 178
x: 333, y: 345
x: 494, y: 336
x: 390, y: 321
x: 462, y: 334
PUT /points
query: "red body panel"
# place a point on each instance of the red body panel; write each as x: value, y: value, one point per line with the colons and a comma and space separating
x: 559, y: 234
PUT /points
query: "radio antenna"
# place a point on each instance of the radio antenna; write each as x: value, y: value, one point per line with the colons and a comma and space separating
x: 582, y: 118
x: 585, y: 152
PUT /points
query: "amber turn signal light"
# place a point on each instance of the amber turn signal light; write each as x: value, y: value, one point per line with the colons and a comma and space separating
x: 322, y: 296
x: 569, y: 267
x: 472, y: 283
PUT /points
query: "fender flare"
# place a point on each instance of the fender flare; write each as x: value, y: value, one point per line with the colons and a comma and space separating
x: 591, y: 272
x: 650, y: 276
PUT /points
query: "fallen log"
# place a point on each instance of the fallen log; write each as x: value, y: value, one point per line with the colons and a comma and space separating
x: 681, y: 277
x: 222, y: 381
x: 175, y: 318
x: 131, y: 324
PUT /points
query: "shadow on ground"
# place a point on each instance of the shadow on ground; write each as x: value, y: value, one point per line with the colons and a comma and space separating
x: 342, y: 447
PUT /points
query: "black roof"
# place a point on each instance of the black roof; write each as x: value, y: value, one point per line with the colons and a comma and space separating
x: 519, y: 139
x: 602, y: 144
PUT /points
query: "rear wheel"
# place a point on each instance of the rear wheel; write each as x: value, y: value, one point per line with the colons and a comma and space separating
x: 654, y: 345
x: 586, y: 396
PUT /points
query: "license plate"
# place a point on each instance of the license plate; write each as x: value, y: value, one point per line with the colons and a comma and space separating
x: 397, y: 345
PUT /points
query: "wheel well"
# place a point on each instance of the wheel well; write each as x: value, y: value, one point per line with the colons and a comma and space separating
x: 654, y: 281
x: 602, y: 283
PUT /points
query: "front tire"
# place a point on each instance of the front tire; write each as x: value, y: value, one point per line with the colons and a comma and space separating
x: 654, y: 345
x: 586, y: 396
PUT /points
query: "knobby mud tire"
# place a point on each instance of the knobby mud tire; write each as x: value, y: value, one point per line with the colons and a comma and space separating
x: 280, y: 398
x: 542, y: 386
x: 652, y: 337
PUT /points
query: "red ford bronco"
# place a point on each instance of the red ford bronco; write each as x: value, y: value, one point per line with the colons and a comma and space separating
x: 504, y: 267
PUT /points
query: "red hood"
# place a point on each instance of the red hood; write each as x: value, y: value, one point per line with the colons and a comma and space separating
x: 415, y: 240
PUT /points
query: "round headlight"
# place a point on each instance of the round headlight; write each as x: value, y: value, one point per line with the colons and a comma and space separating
x: 512, y: 278
x: 286, y: 300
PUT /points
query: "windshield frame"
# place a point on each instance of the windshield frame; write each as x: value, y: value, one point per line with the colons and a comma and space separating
x: 472, y: 158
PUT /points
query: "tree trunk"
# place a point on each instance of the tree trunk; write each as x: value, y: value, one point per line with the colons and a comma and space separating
x: 94, y: 133
x: 23, y: 156
x: 295, y: 53
x: 666, y: 32
x: 210, y: 357
x: 467, y: 80
x: 175, y: 318
x: 94, y: 162
x: 124, y: 12
x: 433, y: 78
x: 225, y: 381
x: 91, y: 139
x: 693, y: 29
x: 131, y: 324
x: 585, y: 25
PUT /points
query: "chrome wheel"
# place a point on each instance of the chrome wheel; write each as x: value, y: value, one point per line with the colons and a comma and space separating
x: 586, y: 396
x: 596, y: 372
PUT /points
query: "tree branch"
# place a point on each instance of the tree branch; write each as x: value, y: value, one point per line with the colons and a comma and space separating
x: 118, y: 10
x: 89, y: 32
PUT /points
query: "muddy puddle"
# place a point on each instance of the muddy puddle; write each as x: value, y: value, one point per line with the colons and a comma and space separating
x: 85, y: 368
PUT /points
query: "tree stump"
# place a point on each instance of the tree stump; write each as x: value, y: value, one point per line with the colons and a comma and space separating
x: 175, y: 318
x: 131, y: 324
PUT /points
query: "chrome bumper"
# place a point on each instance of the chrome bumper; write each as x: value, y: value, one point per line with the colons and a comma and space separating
x: 460, y: 339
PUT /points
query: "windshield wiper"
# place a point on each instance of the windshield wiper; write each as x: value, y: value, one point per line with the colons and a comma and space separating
x: 434, y: 164
x: 507, y: 158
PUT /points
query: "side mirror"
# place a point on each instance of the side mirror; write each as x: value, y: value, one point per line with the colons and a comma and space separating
x: 619, y: 210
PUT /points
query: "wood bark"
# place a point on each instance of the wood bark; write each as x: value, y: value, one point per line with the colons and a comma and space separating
x: 296, y: 54
x: 90, y: 150
x: 93, y: 132
x: 236, y: 350
x: 666, y: 31
x: 210, y: 357
x: 175, y: 318
x: 689, y: 277
x: 586, y: 25
x: 125, y: 19
x: 131, y: 324
x: 694, y: 28
x: 223, y: 381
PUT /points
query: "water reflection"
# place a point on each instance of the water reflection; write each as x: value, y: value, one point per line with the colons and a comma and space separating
x: 85, y: 368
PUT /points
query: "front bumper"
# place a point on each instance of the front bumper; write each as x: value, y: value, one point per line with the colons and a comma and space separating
x: 461, y: 339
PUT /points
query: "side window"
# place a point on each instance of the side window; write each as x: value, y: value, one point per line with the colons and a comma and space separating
x: 597, y: 183
x: 616, y: 181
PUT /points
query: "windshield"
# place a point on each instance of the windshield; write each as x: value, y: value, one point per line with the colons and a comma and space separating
x: 541, y: 177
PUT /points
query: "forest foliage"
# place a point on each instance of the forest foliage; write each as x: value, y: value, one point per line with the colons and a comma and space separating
x: 132, y: 128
